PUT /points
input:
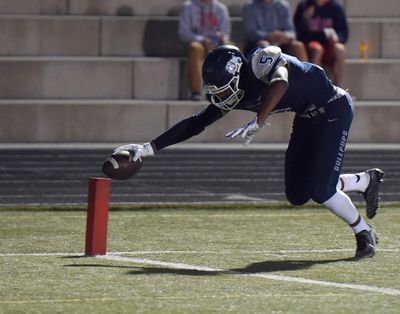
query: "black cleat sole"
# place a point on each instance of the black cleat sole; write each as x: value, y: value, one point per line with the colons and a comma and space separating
x: 371, y: 194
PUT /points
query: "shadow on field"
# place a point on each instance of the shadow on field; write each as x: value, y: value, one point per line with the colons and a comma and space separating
x: 261, y: 267
x: 271, y: 266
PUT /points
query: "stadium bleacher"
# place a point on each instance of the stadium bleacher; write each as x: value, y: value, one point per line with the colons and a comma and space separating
x: 115, y: 71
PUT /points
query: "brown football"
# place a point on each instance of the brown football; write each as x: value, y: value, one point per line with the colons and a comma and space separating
x: 120, y: 166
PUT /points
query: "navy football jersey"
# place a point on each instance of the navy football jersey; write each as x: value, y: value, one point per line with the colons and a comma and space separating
x: 308, y: 83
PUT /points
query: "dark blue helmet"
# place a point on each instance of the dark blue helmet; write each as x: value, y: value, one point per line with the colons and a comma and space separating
x: 221, y: 73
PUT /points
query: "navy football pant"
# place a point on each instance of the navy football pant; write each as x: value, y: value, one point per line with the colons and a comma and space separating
x: 315, y: 153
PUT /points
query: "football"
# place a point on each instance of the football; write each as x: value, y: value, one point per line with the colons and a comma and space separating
x: 120, y: 166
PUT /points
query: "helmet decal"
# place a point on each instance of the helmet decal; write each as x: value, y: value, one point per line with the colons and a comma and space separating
x: 233, y: 65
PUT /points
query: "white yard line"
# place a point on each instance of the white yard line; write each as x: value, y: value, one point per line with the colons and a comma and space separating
x: 115, y: 256
x: 265, y: 276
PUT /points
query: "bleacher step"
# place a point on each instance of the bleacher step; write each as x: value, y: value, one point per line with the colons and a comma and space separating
x: 153, y: 78
x: 35, y: 35
x: 367, y: 8
x: 125, y: 120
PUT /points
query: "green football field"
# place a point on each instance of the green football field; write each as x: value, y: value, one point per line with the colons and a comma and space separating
x: 197, y: 259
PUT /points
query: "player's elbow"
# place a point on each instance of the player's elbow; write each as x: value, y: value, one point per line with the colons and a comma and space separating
x: 280, y: 83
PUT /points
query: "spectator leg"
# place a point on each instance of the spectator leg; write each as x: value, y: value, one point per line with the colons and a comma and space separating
x: 297, y: 49
x: 339, y: 53
x: 196, y: 55
x: 316, y: 52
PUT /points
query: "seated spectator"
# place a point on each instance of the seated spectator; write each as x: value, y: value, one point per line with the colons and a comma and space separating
x: 203, y: 25
x: 322, y: 26
x: 269, y: 22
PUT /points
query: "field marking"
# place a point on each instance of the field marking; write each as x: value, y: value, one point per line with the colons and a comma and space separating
x: 115, y: 256
x: 301, y: 280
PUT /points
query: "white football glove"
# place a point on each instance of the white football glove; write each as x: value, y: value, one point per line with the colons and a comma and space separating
x: 136, y: 150
x: 247, y: 131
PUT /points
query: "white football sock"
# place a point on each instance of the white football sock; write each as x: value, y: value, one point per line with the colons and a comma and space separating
x: 342, y: 206
x: 357, y: 182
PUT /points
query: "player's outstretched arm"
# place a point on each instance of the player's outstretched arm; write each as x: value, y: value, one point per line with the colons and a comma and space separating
x: 180, y: 132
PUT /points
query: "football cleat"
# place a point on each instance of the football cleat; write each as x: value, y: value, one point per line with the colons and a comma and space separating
x: 366, y: 244
x: 371, y: 194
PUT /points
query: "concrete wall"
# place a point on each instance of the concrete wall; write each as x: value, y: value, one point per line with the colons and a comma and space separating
x: 153, y: 78
x: 151, y: 36
x: 49, y: 36
x: 71, y: 70
x: 65, y: 78
x: 376, y: 80
x: 33, y: 7
x: 354, y: 8
x: 130, y: 121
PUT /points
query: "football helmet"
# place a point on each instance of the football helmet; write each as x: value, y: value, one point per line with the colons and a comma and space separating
x: 221, y: 73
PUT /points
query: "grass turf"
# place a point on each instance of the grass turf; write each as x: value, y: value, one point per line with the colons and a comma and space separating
x: 241, y: 240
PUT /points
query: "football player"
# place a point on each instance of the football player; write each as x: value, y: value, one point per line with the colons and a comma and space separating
x: 270, y: 81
